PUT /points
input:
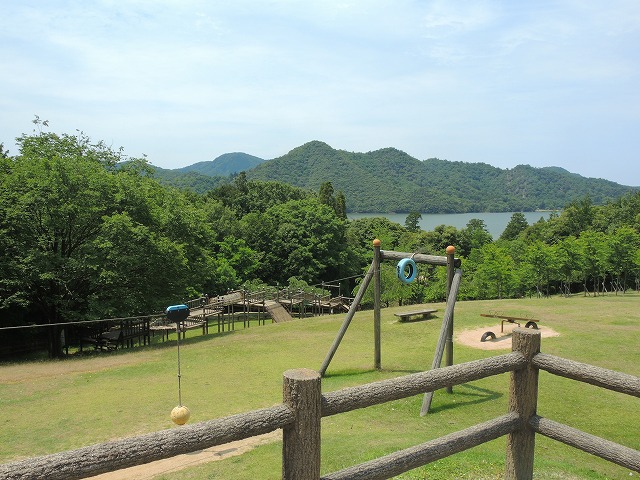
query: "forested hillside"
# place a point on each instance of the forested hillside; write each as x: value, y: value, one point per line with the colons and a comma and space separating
x: 194, y: 181
x: 389, y: 180
x: 202, y: 177
x: 225, y: 165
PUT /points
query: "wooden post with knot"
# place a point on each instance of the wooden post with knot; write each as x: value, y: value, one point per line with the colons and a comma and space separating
x: 301, y: 391
x: 523, y: 399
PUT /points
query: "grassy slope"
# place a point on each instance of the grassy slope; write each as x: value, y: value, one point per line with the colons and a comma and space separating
x: 50, y: 407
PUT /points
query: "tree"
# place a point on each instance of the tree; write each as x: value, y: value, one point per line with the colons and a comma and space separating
x: 299, y: 238
x: 412, y: 221
x: 569, y: 263
x: 494, y: 275
x: 325, y: 195
x: 52, y: 202
x: 593, y: 254
x: 622, y: 247
x: 85, y: 239
x: 577, y: 217
x: 515, y: 227
x: 341, y: 205
x: 539, y: 267
x: 474, y: 235
x: 137, y: 269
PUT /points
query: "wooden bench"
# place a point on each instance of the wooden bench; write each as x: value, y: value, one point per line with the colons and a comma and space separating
x: 425, y: 313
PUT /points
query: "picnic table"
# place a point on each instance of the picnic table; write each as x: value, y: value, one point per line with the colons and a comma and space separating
x: 531, y: 322
x: 423, y: 313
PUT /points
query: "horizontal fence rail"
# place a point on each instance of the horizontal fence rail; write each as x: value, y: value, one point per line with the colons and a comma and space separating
x: 611, y: 451
x: 303, y: 406
x: 414, y: 457
x: 601, y: 377
x: 132, y: 451
x: 375, y: 393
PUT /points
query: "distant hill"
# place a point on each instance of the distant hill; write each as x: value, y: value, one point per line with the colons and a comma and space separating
x: 225, y: 165
x: 194, y: 180
x: 390, y: 180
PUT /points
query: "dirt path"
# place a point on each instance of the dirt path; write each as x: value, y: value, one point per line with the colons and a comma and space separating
x: 168, y: 465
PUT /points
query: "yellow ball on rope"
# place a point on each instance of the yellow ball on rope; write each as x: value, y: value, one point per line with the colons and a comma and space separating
x: 180, y: 415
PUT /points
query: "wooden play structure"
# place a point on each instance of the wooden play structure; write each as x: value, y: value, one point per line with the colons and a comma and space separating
x: 445, y: 341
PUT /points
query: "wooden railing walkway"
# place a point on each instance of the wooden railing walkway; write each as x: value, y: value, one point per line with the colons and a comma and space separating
x: 299, y: 416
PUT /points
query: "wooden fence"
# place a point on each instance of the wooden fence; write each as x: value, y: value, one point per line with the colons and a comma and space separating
x: 304, y: 405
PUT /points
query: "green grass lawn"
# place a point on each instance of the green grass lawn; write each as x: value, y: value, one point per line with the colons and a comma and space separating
x: 54, y: 406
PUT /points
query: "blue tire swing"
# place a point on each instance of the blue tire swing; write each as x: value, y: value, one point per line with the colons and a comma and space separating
x: 407, y: 270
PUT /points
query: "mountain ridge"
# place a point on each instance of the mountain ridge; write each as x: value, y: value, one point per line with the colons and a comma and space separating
x: 390, y: 180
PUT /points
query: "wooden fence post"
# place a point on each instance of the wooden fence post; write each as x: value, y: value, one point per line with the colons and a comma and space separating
x: 376, y: 305
x: 523, y: 399
x: 451, y: 250
x: 301, y: 391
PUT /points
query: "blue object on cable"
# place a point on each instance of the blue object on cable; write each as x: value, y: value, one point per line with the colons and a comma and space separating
x: 407, y: 270
x: 177, y: 313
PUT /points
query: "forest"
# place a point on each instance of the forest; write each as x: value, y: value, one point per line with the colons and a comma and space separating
x: 88, y: 233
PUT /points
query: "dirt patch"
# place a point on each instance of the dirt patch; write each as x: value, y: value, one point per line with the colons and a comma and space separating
x: 471, y: 338
x: 168, y: 465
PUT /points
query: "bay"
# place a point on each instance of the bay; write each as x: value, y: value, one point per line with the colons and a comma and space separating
x: 495, y: 221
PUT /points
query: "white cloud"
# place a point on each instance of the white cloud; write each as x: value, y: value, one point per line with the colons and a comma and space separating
x: 184, y: 81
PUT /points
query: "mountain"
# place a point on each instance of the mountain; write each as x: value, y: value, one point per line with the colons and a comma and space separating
x: 225, y: 165
x: 389, y: 180
x: 191, y: 180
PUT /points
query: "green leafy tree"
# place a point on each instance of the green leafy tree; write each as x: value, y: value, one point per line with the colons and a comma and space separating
x: 300, y: 238
x: 569, y: 263
x: 443, y: 236
x: 325, y: 195
x: 577, y: 217
x: 137, y: 269
x: 412, y: 222
x: 474, y: 235
x: 594, y: 258
x: 623, y: 244
x: 539, y: 269
x: 52, y: 202
x: 341, y: 205
x: 494, y: 275
x: 517, y: 224
x: 362, y: 232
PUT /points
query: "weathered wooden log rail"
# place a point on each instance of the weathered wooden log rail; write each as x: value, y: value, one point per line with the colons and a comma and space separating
x: 304, y: 405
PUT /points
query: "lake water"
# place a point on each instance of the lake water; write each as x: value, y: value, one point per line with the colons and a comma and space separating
x: 495, y: 222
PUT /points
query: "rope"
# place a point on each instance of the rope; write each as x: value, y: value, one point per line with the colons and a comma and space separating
x: 15, y: 327
x: 179, y: 386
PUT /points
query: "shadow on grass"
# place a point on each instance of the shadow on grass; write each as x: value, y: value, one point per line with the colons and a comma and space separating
x: 191, y: 340
x: 351, y: 372
x: 156, y: 343
x: 465, y: 394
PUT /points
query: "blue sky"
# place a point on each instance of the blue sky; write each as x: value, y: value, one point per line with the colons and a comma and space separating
x: 501, y: 82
